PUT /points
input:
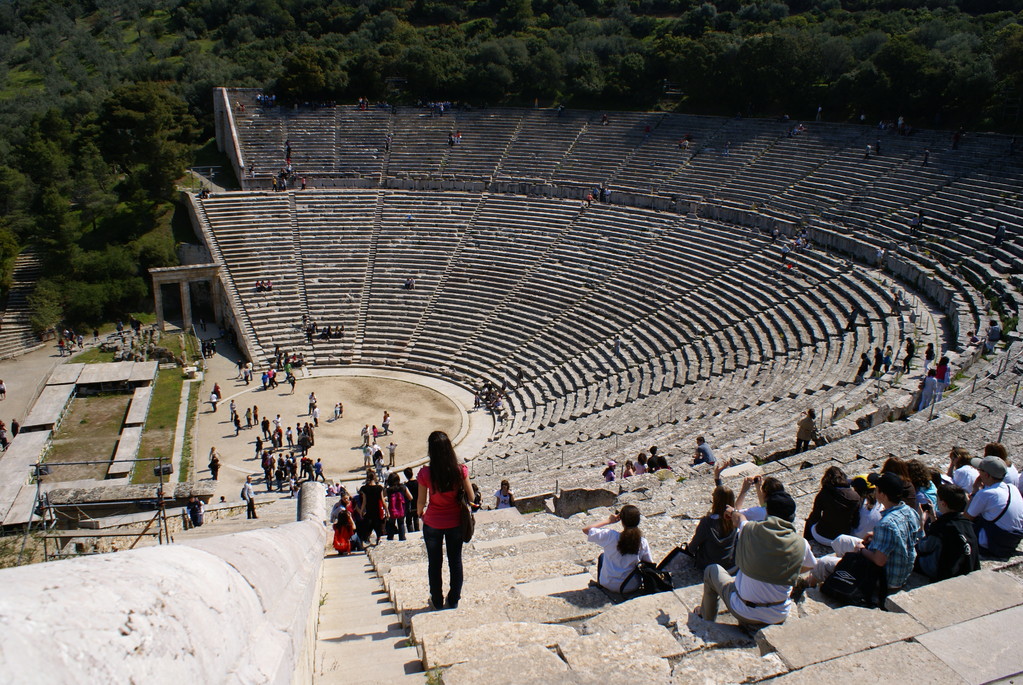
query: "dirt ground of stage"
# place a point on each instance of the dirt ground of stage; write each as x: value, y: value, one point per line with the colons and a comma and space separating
x: 416, y: 410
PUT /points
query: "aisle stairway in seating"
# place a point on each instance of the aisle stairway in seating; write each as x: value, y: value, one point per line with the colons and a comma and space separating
x: 16, y: 336
x: 359, y: 640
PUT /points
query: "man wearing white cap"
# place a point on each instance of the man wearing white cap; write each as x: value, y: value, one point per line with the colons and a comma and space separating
x: 996, y: 509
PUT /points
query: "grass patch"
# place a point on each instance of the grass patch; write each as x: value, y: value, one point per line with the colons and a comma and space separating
x: 161, y: 423
x: 209, y: 155
x: 93, y: 356
x: 89, y: 432
x: 185, y: 472
x: 181, y: 225
x: 11, y: 550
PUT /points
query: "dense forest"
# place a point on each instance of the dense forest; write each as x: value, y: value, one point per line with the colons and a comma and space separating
x: 104, y: 102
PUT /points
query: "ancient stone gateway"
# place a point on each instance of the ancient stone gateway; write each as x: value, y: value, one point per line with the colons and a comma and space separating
x: 184, y: 276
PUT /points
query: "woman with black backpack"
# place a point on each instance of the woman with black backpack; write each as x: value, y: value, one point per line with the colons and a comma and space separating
x: 622, y: 551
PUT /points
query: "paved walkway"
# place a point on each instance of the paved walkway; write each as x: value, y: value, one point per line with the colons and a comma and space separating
x: 24, y: 377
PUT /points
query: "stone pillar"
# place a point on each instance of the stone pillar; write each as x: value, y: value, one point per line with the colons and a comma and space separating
x: 215, y: 295
x: 158, y: 303
x: 186, y: 305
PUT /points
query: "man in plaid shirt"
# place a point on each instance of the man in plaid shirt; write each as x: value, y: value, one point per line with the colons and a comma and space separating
x: 893, y: 543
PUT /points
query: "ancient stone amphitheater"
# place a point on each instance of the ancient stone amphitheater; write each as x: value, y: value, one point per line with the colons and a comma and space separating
x: 666, y: 313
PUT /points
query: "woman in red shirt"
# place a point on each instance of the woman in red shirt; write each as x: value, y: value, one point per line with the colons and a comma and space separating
x: 437, y: 505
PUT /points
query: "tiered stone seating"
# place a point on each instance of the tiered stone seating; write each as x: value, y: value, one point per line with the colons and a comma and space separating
x: 602, y: 148
x: 543, y: 139
x: 312, y: 137
x: 260, y: 132
x: 335, y: 234
x: 417, y: 238
x: 529, y: 580
x: 419, y: 147
x: 486, y: 134
x: 255, y: 239
x: 544, y: 287
x: 16, y: 334
x: 361, y: 141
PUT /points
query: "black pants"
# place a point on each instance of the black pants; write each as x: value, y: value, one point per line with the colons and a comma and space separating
x: 370, y: 525
x: 396, y: 526
x: 250, y: 509
x: 436, y: 539
x: 411, y: 520
x: 802, y: 445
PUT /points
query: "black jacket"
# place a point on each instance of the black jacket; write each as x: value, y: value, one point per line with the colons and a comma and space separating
x: 952, y: 542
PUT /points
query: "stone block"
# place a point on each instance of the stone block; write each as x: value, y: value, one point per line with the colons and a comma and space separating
x: 543, y: 568
x: 629, y: 656
x: 718, y: 666
x: 981, y: 650
x: 492, y: 515
x: 465, y: 616
x: 575, y: 500
x: 554, y: 586
x: 567, y: 606
x: 833, y: 634
x: 960, y: 599
x: 741, y: 471
x: 507, y: 542
x: 469, y: 644
x: 644, y: 640
x: 899, y: 661
x: 529, y: 664
x: 663, y: 608
x: 695, y: 634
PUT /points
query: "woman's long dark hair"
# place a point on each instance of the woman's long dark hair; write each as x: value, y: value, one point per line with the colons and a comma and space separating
x: 835, y: 478
x: 631, y: 536
x: 721, y: 498
x: 444, y: 472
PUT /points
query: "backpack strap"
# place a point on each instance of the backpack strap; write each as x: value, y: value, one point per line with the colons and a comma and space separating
x: 1008, y: 501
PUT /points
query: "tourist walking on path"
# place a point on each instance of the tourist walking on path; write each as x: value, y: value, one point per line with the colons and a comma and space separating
x: 861, y: 373
x: 399, y: 499
x: 806, y: 430
x: 437, y: 505
x: 928, y: 388
x: 372, y: 507
x: 928, y: 356
x: 214, y: 463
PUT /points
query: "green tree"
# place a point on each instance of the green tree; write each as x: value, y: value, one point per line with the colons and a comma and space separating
x: 46, y: 306
x: 147, y: 132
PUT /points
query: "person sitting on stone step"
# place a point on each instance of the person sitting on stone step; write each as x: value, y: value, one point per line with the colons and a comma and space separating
x: 835, y: 508
x: 703, y: 454
x: 770, y: 555
x: 892, y: 544
x: 950, y: 548
x: 996, y: 509
x: 765, y: 487
x: 622, y: 551
x: 713, y: 542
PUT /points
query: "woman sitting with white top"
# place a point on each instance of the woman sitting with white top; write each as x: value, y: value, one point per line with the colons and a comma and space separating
x: 622, y: 551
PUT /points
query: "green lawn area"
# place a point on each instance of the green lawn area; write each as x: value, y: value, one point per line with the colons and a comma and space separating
x: 93, y: 355
x: 187, y: 456
x: 158, y: 436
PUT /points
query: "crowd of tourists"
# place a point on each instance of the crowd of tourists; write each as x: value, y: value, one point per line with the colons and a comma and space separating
x: 876, y: 528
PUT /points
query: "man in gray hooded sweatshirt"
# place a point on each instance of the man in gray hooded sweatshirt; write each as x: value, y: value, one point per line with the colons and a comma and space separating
x: 770, y: 555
